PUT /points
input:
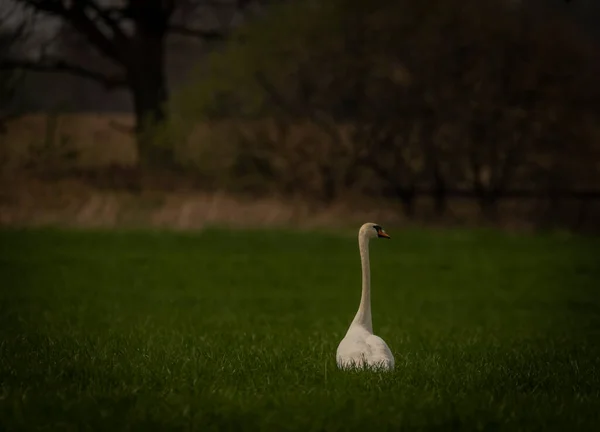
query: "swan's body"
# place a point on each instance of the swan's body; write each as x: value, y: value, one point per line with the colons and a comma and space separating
x: 360, y: 348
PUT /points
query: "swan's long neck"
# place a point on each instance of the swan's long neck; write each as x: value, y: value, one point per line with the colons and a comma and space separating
x: 363, y: 316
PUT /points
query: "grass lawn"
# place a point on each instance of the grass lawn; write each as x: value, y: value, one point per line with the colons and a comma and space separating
x: 238, y: 331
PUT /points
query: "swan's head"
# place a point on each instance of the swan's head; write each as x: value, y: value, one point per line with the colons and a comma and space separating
x: 373, y: 230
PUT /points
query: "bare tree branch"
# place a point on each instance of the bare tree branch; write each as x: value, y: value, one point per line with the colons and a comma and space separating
x: 110, y: 21
x: 14, y: 34
x: 74, y: 13
x: 188, y: 7
x: 109, y: 82
x: 209, y: 35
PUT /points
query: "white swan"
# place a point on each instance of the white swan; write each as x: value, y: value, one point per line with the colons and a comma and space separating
x: 360, y: 348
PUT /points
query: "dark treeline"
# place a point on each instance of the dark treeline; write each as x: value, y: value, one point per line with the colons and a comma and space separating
x: 400, y: 99
x: 488, y: 100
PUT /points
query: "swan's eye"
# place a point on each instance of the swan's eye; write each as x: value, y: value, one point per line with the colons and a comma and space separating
x: 380, y: 232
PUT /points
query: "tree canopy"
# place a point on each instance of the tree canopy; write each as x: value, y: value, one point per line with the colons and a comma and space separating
x: 438, y: 95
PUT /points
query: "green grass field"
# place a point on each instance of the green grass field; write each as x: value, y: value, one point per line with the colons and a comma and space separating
x: 238, y: 331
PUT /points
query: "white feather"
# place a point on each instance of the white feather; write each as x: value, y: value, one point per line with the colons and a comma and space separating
x: 360, y: 348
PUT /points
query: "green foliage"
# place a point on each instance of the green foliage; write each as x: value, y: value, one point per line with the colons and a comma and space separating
x: 272, y: 46
x: 238, y: 330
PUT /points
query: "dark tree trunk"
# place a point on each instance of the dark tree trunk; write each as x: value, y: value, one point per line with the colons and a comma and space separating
x: 329, y: 191
x: 439, y: 191
x: 581, y: 215
x: 488, y: 203
x: 148, y: 84
x: 408, y: 196
x: 439, y: 197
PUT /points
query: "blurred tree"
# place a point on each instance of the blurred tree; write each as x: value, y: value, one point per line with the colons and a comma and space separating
x: 431, y: 108
x: 12, y: 38
x: 8, y: 81
x: 131, y: 34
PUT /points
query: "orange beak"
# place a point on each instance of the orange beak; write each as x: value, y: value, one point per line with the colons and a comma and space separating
x: 383, y: 234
